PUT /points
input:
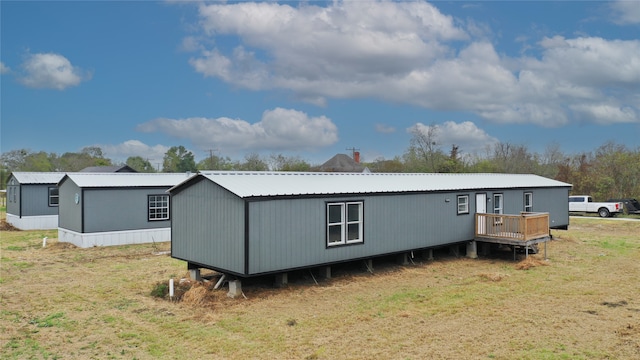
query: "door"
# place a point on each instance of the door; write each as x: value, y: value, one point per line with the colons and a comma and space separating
x: 481, y: 203
x: 481, y: 208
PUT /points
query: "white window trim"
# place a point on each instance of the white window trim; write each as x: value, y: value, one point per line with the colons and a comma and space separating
x: 344, y: 223
x: 528, y: 208
x: 499, y: 209
x: 149, y: 208
x: 465, y: 210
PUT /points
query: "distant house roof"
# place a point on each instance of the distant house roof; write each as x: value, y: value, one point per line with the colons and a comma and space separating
x: 26, y: 177
x: 108, y: 169
x: 270, y: 184
x: 103, y: 180
x: 342, y: 163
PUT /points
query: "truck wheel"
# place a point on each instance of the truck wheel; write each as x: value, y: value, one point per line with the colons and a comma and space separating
x: 603, y: 212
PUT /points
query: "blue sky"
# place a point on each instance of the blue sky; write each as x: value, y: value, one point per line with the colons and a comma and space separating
x: 312, y: 79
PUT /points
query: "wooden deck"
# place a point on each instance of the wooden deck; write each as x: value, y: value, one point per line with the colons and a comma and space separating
x: 524, y: 230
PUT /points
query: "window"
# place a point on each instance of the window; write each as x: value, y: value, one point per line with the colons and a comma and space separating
x: 53, y: 196
x: 344, y: 223
x: 463, y: 204
x: 528, y: 202
x: 158, y: 207
x: 497, y: 203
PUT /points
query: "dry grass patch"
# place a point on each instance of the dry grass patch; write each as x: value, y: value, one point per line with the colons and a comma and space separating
x: 494, y: 276
x: 73, y: 303
x: 530, y: 262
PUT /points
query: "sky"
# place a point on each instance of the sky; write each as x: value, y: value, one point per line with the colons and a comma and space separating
x: 316, y: 78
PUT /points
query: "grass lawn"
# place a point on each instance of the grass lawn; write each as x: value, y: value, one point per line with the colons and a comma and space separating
x: 62, y: 302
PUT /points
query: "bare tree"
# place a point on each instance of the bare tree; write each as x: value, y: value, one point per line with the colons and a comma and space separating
x: 424, y: 145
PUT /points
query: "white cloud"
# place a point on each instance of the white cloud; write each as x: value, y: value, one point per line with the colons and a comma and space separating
x: 51, y: 71
x: 3, y: 68
x: 385, y: 129
x: 626, y: 12
x: 410, y: 52
x: 466, y: 135
x: 121, y: 152
x: 279, y: 129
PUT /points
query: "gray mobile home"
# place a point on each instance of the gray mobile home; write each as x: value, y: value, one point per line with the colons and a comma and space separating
x: 103, y: 209
x: 254, y: 223
x: 32, y: 200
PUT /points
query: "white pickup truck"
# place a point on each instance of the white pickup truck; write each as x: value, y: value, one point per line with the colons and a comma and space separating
x: 585, y: 204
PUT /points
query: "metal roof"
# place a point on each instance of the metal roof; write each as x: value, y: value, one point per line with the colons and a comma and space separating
x: 264, y: 184
x: 102, y: 180
x: 26, y: 177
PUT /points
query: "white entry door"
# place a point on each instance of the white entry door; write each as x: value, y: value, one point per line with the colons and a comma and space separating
x: 481, y: 208
x: 481, y: 203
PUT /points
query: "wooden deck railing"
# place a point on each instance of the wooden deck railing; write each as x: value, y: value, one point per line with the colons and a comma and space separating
x: 525, y: 227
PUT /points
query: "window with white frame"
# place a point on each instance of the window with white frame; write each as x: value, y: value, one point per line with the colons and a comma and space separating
x: 463, y: 204
x: 497, y: 203
x: 344, y: 223
x: 528, y: 202
x: 158, y: 207
x: 53, y: 196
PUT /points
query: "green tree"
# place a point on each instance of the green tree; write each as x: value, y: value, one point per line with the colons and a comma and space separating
x: 89, y: 156
x: 380, y: 165
x: 253, y: 162
x: 283, y: 163
x: 178, y: 159
x: 452, y: 164
x: 214, y: 162
x: 40, y: 161
x: 140, y: 165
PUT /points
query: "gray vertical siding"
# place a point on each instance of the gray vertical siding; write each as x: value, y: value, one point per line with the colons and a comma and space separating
x: 70, y: 215
x: 118, y: 209
x: 291, y: 233
x: 30, y: 200
x: 35, y: 200
x: 208, y: 227
x: 550, y: 200
x: 13, y: 199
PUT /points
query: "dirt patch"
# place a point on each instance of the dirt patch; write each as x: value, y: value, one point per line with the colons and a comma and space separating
x: 5, y: 226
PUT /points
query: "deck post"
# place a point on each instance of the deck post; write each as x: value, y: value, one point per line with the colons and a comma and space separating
x: 472, y: 249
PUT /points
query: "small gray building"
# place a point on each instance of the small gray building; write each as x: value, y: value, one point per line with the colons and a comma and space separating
x: 32, y: 200
x: 104, y: 209
x: 254, y: 223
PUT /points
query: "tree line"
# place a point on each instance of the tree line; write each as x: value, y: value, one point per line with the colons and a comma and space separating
x: 610, y: 171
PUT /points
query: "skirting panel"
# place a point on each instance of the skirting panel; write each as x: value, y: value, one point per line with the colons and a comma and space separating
x: 114, y: 238
x: 41, y: 222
